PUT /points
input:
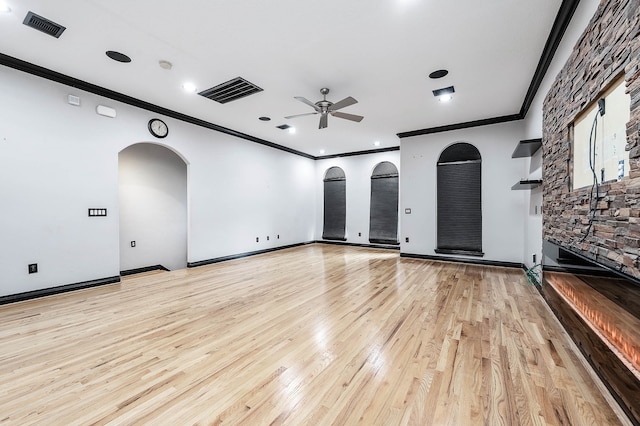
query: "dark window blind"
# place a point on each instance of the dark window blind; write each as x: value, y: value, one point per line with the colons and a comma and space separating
x: 383, y: 216
x: 459, y: 201
x: 335, y: 202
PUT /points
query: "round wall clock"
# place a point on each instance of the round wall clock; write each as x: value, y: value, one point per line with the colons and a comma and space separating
x: 158, y: 128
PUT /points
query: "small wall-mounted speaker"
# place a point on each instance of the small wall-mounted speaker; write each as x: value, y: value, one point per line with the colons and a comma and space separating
x: 73, y: 100
x: 106, y: 111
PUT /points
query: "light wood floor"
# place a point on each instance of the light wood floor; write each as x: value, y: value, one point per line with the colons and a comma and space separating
x: 314, y: 335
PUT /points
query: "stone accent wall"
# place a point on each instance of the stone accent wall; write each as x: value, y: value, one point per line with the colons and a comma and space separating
x: 609, y: 47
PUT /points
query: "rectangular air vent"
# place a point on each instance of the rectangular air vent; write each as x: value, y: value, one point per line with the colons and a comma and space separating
x: 43, y: 24
x: 231, y: 90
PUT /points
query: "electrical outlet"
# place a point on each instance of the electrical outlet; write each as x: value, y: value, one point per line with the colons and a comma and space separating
x: 257, y: 239
x: 133, y: 243
x: 406, y: 240
x: 278, y: 236
x: 359, y: 234
x: 33, y: 268
x: 267, y: 238
x: 534, y: 258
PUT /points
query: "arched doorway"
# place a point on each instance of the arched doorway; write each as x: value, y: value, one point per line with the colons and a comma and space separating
x: 152, y: 192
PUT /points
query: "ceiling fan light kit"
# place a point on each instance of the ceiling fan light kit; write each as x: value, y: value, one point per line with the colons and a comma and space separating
x: 326, y: 108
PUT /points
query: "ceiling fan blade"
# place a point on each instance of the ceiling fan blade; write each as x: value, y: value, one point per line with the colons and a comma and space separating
x: 308, y: 102
x: 323, y: 121
x: 300, y: 115
x: 343, y: 103
x: 346, y: 116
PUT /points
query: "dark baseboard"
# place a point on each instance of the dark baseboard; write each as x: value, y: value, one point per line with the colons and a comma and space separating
x: 340, y: 243
x: 462, y: 260
x: 387, y: 242
x: 241, y: 255
x: 141, y: 270
x: 460, y: 252
x: 253, y: 253
x: 56, y: 290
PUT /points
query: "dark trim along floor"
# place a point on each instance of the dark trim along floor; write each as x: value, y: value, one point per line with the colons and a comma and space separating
x: 142, y: 270
x: 253, y: 253
x: 56, y: 290
x: 465, y: 260
x: 111, y: 280
x: 241, y: 255
x: 341, y: 243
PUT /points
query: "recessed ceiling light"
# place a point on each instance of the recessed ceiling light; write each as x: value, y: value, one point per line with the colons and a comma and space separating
x: 322, y: 151
x: 117, y: 56
x: 376, y: 143
x: 438, y: 74
x: 165, y: 65
x: 189, y: 87
x: 444, y: 94
x: 4, y: 7
x: 264, y: 118
x: 292, y: 130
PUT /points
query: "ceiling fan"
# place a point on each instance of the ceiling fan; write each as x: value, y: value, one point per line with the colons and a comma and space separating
x: 325, y: 107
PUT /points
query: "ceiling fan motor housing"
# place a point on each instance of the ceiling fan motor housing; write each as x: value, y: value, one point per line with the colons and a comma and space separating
x: 326, y: 108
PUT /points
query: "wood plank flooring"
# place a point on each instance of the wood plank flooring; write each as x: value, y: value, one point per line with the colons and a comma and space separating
x: 314, y: 335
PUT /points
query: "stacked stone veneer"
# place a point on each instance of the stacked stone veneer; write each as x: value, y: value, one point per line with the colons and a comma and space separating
x: 609, y: 48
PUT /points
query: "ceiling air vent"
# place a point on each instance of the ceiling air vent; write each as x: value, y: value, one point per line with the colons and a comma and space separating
x: 43, y: 24
x: 231, y: 90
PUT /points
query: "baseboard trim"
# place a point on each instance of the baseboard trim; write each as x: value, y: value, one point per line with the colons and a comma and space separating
x: 463, y: 260
x: 35, y: 294
x: 241, y: 255
x: 340, y: 243
x: 460, y: 252
x: 144, y: 269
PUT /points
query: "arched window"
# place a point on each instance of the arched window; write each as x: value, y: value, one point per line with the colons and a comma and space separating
x: 383, y: 215
x: 459, y: 200
x: 335, y: 204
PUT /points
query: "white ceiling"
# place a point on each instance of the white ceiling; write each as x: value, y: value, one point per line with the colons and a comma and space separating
x: 378, y: 51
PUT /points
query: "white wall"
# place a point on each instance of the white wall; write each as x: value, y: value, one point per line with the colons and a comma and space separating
x: 583, y: 14
x: 533, y: 126
x: 357, y: 169
x: 152, y: 185
x: 502, y: 219
x: 58, y: 160
x: 240, y: 191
